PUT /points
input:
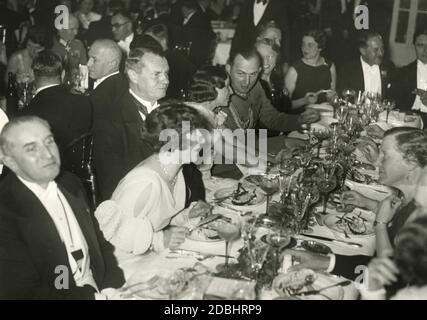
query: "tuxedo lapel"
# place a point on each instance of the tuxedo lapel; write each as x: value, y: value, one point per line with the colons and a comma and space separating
x: 359, y: 77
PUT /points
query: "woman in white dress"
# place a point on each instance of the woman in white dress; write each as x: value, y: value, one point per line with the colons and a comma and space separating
x: 147, y: 209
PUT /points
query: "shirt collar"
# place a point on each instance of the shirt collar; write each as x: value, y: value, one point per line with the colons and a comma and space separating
x: 46, y: 87
x: 421, y: 65
x: 365, y: 65
x: 39, y: 191
x: 128, y: 39
x: 150, y: 107
x: 100, y: 80
x: 189, y: 17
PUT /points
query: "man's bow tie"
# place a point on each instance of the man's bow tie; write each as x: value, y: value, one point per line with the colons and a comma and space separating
x: 263, y: 1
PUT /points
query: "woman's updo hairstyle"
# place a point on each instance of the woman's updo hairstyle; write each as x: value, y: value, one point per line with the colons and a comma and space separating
x: 204, y: 84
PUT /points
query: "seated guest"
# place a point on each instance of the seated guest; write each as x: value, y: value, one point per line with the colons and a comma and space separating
x: 146, y: 211
x: 249, y: 104
x: 369, y: 73
x: 181, y: 68
x: 411, y: 80
x: 209, y: 92
x: 122, y: 28
x: 69, y: 115
x: 312, y: 74
x: 409, y: 264
x: 402, y: 161
x: 66, y: 46
x: 85, y: 14
x: 50, y: 248
x: 272, y: 79
x: 102, y: 29
x: 20, y: 62
x: 117, y: 129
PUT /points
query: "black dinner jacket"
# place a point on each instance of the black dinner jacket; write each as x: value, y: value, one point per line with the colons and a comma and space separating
x: 31, y: 248
x: 246, y: 30
x: 69, y: 115
x: 405, y: 84
x: 351, y: 76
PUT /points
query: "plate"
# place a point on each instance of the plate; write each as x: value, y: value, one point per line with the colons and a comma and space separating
x: 227, y: 192
x: 208, y: 233
x: 364, y: 222
x: 320, y: 281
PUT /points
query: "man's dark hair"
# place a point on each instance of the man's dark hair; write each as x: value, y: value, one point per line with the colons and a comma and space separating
x: 422, y: 31
x: 365, y: 36
x: 134, y: 59
x: 247, y: 53
x: 47, y: 64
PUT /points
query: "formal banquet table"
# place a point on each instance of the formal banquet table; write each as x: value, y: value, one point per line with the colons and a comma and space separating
x: 202, y: 257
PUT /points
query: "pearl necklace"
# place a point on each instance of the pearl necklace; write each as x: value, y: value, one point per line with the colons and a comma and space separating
x: 171, y: 181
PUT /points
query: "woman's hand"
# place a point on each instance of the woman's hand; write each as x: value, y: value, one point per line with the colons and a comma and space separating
x: 307, y: 260
x: 388, y: 208
x: 354, y: 198
x: 381, y: 272
x: 310, y: 98
x: 173, y: 237
x: 309, y: 116
x: 200, y: 209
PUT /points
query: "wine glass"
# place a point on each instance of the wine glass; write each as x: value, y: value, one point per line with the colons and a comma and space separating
x: 286, y: 168
x: 349, y: 95
x: 278, y: 240
x: 388, y: 105
x: 270, y: 185
x: 327, y: 183
x: 229, y: 231
x: 321, y: 136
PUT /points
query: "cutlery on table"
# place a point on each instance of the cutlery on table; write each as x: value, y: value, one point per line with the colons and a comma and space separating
x: 353, y: 244
x: 205, y: 221
x: 314, y: 292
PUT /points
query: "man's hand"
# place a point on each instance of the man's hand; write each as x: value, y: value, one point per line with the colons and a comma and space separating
x: 309, y: 116
x: 381, y: 272
x: 310, y: 98
x: 307, y: 260
x: 388, y: 208
x: 369, y: 149
x: 173, y: 237
x: 200, y: 209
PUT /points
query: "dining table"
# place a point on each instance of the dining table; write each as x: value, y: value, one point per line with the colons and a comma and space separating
x: 203, y: 257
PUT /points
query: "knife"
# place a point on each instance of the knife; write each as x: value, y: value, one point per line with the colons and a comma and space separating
x: 183, y: 251
x: 353, y: 244
x: 209, y: 219
x: 314, y: 292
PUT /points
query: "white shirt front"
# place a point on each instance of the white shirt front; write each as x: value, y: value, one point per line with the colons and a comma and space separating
x: 100, y: 80
x: 188, y: 18
x: 147, y: 104
x: 259, y: 9
x: 371, y: 77
x: 68, y: 229
x: 125, y: 44
x: 421, y: 84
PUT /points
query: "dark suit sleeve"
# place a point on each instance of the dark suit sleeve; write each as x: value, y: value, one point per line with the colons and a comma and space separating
x: 194, y: 182
x: 346, y: 266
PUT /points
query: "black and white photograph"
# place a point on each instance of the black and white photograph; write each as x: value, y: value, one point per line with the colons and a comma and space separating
x: 213, y: 154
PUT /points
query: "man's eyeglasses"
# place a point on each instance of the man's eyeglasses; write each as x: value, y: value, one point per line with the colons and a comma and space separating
x: 118, y: 25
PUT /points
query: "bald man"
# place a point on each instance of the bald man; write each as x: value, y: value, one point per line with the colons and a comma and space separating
x: 67, y: 46
x: 110, y: 84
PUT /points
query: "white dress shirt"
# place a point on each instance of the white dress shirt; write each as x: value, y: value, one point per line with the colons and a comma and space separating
x: 421, y: 84
x: 259, y: 9
x: 125, y: 44
x: 147, y: 104
x: 372, y: 77
x: 68, y: 228
x: 100, y: 80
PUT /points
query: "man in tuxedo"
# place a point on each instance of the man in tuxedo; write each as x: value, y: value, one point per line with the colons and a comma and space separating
x: 411, y: 80
x: 69, y: 115
x: 118, y: 143
x: 197, y: 30
x: 122, y: 28
x: 369, y: 73
x: 258, y: 12
x: 50, y: 247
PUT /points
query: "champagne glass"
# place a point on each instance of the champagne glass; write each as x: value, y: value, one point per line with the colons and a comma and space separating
x: 229, y: 231
x: 321, y: 136
x: 388, y: 105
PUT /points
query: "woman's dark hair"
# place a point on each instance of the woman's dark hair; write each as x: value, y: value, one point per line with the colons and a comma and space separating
x: 39, y: 35
x: 422, y: 31
x: 411, y: 252
x: 318, y: 36
x: 204, y: 83
x: 267, y: 25
x: 412, y: 143
x: 172, y: 117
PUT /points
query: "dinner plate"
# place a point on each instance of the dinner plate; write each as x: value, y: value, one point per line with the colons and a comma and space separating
x: 228, y: 192
x: 334, y: 222
x: 321, y: 281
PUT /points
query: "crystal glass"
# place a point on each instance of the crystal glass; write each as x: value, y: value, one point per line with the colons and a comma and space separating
x: 349, y: 95
x: 388, y: 105
x: 270, y: 185
x: 229, y: 231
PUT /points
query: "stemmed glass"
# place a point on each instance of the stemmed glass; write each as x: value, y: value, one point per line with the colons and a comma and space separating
x: 349, y: 95
x: 270, y: 185
x: 326, y: 184
x: 229, y: 231
x: 321, y: 136
x: 287, y: 168
x: 25, y: 92
x: 278, y: 240
x: 388, y: 105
